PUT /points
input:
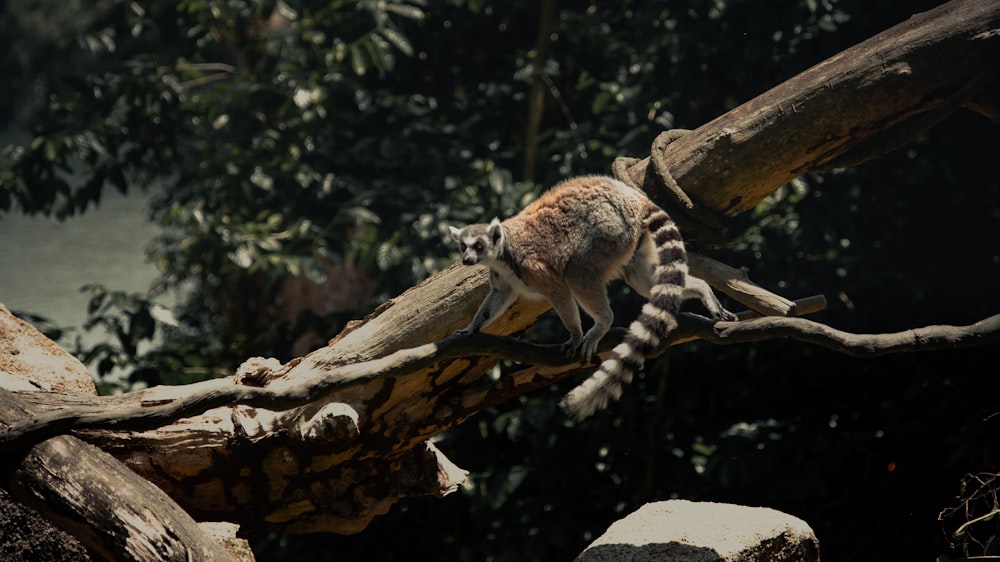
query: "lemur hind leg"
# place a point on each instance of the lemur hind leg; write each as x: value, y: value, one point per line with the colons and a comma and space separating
x: 638, y: 272
x: 592, y: 295
x: 699, y: 289
x: 569, y: 313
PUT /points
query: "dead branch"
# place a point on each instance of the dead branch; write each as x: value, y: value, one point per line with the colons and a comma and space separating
x: 849, y: 108
x: 551, y: 365
x: 736, y: 284
x: 930, y: 338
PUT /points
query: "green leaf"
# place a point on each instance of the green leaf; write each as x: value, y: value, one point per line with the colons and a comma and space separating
x: 397, y: 40
x: 409, y: 12
x: 357, y: 60
x: 600, y: 102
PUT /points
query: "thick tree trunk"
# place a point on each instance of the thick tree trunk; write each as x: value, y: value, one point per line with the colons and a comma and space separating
x: 849, y: 108
x: 328, y: 442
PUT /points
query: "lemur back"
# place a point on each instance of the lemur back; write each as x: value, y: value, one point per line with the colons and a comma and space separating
x: 566, y: 247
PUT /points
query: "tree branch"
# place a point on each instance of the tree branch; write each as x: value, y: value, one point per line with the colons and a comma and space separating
x: 551, y: 365
x: 929, y: 338
x: 839, y: 109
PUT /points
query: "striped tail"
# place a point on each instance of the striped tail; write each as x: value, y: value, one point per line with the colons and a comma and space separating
x: 657, y: 319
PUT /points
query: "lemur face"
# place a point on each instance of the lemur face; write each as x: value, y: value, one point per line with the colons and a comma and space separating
x: 477, y: 242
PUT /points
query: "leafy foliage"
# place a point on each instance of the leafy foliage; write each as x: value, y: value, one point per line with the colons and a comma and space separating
x: 299, y: 139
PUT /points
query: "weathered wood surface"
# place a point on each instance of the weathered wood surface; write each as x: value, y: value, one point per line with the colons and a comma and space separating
x: 80, y: 488
x: 862, y: 100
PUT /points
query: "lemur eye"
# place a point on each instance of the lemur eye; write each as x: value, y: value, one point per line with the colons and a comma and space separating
x: 479, y: 246
x: 462, y: 247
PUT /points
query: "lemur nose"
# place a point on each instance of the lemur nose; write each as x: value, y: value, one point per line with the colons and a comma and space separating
x: 470, y: 260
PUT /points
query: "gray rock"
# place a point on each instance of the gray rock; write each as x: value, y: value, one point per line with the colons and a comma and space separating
x: 684, y: 531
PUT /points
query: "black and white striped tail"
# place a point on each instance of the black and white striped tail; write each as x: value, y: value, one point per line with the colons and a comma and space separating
x: 657, y: 319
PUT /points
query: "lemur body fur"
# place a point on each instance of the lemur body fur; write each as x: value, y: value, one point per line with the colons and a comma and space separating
x: 566, y: 247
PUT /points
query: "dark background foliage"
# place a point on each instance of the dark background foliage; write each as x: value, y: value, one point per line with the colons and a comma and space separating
x: 303, y: 139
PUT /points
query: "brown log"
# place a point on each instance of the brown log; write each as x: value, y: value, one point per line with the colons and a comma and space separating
x: 109, y: 508
x: 81, y: 489
x: 857, y: 101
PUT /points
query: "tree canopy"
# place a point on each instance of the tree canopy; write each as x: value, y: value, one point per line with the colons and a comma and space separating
x: 333, y: 142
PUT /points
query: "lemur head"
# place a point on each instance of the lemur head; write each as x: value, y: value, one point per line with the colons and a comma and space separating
x: 480, y: 242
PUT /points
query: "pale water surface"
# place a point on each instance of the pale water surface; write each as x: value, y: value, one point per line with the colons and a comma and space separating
x: 44, y: 262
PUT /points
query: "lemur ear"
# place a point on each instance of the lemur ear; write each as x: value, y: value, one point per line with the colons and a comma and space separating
x: 456, y: 233
x: 494, y: 230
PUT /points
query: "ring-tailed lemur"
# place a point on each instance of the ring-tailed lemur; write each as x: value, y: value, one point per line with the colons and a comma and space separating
x: 566, y: 247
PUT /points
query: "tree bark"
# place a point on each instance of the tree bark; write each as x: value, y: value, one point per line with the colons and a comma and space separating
x: 111, y: 510
x: 848, y: 108
x: 331, y: 440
